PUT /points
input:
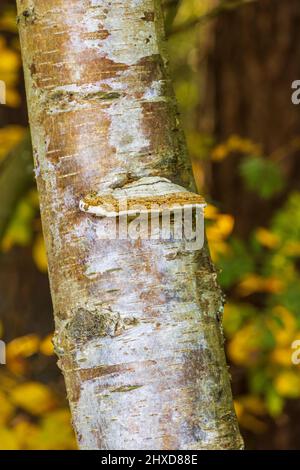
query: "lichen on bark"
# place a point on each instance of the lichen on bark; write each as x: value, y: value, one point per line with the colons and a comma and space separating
x: 137, y: 321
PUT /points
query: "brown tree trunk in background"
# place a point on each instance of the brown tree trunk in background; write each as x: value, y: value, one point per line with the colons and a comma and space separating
x: 137, y: 322
x: 27, y: 311
x: 252, y: 64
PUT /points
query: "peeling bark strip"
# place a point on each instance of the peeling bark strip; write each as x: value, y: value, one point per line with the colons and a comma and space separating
x: 137, y: 322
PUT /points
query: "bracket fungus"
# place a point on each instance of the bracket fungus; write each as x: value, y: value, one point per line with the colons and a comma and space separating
x: 146, y: 195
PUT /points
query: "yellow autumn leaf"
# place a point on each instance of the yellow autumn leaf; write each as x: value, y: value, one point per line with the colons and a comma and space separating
x: 217, y: 248
x: 247, y: 409
x: 235, y: 143
x: 267, y: 238
x: 219, y: 153
x: 10, y: 60
x: 281, y: 357
x: 6, y: 408
x: 7, y: 382
x: 238, y: 407
x: 292, y: 248
x: 221, y: 228
x: 273, y: 285
x: 39, y: 254
x: 33, y: 397
x: 283, y: 325
x: 17, y: 365
x: 287, y: 384
x: 245, y: 347
x: 24, y: 346
x: 10, y: 136
x: 211, y: 212
x: 225, y: 224
x: 46, y: 346
x: 8, y: 440
x: 55, y: 432
x: 13, y: 98
x: 254, y: 404
x: 253, y: 283
x: 25, y: 433
x: 8, y: 21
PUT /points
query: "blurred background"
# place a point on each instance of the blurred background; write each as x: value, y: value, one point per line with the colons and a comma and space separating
x: 233, y: 64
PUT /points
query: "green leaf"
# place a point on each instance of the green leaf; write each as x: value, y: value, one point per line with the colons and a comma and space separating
x: 275, y: 402
x: 262, y: 176
x: 235, y: 265
x: 290, y: 298
x: 286, y: 222
x: 259, y: 382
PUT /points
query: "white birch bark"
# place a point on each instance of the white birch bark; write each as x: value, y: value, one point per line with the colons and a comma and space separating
x: 137, y: 322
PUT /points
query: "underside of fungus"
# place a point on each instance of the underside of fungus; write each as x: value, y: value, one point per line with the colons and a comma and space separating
x: 147, y: 195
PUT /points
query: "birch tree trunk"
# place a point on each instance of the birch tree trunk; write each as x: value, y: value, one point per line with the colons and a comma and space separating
x: 138, y: 329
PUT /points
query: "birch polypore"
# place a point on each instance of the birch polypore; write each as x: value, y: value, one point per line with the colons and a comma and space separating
x: 137, y: 322
x: 147, y: 195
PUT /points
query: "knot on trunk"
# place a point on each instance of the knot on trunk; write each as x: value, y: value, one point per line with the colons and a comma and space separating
x: 88, y: 324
